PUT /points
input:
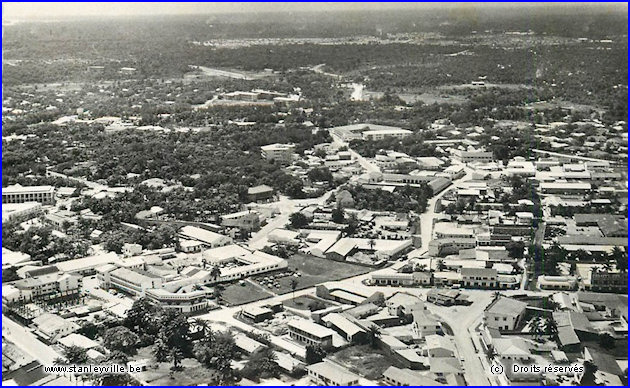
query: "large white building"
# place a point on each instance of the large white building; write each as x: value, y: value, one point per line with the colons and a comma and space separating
x: 205, y: 238
x: 280, y: 152
x: 188, y: 302
x: 19, y: 194
x: 133, y: 282
x: 504, y: 313
x: 236, y: 262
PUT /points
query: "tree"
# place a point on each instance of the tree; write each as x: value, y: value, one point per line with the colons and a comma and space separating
x: 176, y: 356
x: 215, y: 272
x: 620, y: 257
x: 536, y: 327
x: 551, y: 328
x: 314, y: 354
x: 371, y: 242
x: 121, y: 339
x: 298, y: 220
x: 76, y: 355
x: 515, y: 249
x: 261, y: 364
x: 372, y: 335
x: 141, y: 317
x: 294, y: 284
x: 113, y: 379
x: 160, y: 350
x: 338, y: 215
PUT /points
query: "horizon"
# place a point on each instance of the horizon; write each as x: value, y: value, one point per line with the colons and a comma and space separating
x: 33, y: 11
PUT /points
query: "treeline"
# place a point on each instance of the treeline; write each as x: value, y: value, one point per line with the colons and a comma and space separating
x: 403, y: 199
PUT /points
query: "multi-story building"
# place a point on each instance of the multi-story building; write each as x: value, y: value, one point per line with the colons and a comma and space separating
x: 133, y: 282
x: 479, y: 278
x: 19, y: 194
x: 207, y: 238
x: 46, y: 287
x: 379, y: 134
x: 612, y: 281
x: 473, y: 156
x: 246, y: 220
x: 504, y: 313
x: 189, y: 302
x: 20, y: 211
x: 310, y: 333
x: 278, y: 152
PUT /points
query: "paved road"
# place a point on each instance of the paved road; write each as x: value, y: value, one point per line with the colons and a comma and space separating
x: 26, y: 341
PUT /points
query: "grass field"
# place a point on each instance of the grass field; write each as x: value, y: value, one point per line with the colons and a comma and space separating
x: 236, y: 294
x: 364, y: 360
x: 315, y: 270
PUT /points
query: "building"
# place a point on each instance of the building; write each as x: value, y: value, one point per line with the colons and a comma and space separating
x: 328, y: 374
x: 282, y: 153
x: 185, y: 302
x: 439, y: 346
x: 20, y: 194
x: 208, y: 238
x: 424, y: 324
x: 379, y: 134
x: 236, y: 262
x: 247, y: 345
x: 133, y: 282
x: 129, y: 250
x: 246, y: 220
x: 564, y: 283
x: 310, y: 333
x: 450, y: 246
x: 472, y: 156
x: 260, y: 193
x: 20, y: 211
x: 48, y: 287
x: 348, y: 329
x: 504, y: 313
x: 257, y: 314
x: 406, y: 377
x: 87, y: 265
x: 446, y: 297
x: 389, y: 277
x: 565, y: 187
x: 52, y: 327
x: 479, y: 278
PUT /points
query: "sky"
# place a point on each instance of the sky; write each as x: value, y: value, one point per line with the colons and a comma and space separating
x: 46, y: 10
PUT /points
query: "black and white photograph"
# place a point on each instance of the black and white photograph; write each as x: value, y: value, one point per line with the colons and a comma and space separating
x: 314, y: 194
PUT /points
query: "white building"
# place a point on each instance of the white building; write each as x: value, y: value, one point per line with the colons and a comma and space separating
x: 280, y: 152
x: 207, y: 238
x: 19, y: 194
x: 504, y: 313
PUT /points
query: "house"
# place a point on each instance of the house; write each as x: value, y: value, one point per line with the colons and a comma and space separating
x: 284, y: 236
x: 288, y: 363
x: 260, y: 193
x: 52, y: 327
x: 328, y: 374
x: 405, y: 377
x: 310, y: 333
x: 512, y: 349
x: 608, y: 371
x: 401, y: 304
x: 442, y: 367
x: 346, y: 327
x: 424, y: 324
x: 131, y: 249
x: 504, y: 313
x: 208, y: 238
x: 479, y: 278
x: 87, y: 265
x: 439, y: 346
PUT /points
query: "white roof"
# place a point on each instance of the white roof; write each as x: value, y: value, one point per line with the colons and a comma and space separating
x: 86, y: 263
x: 202, y: 235
x: 311, y: 328
x: 79, y: 340
x: 18, y: 189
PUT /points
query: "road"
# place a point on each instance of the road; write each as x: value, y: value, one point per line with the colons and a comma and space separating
x: 26, y: 341
x: 368, y: 166
x: 90, y: 184
x: 286, y: 206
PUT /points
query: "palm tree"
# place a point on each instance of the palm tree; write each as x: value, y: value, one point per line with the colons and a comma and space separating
x: 496, y: 295
x: 551, y: 328
x: 536, y: 327
x: 372, y: 243
x: 373, y: 333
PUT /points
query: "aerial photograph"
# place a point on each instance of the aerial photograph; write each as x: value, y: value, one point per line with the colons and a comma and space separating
x: 314, y: 194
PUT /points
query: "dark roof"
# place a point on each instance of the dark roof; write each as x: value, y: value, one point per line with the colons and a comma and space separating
x: 605, y: 362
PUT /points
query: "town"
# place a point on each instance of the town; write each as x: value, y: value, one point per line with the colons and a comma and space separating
x: 226, y: 229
